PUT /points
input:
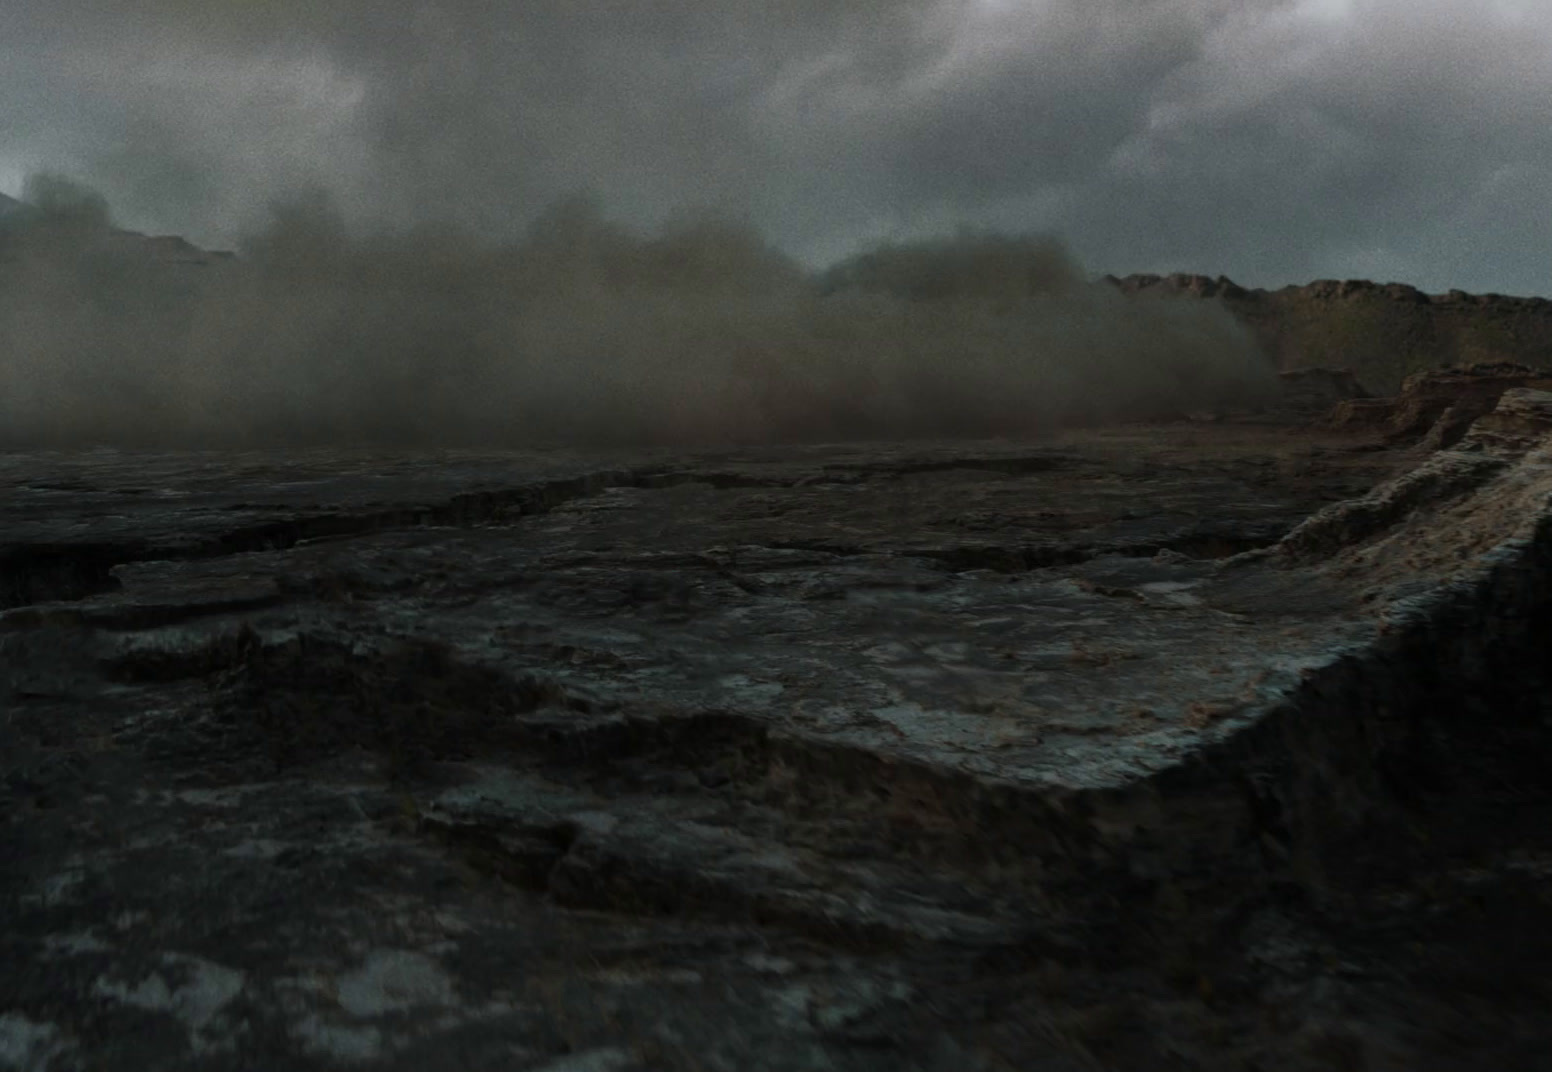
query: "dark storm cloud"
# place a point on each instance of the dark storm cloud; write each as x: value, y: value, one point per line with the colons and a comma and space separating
x: 1371, y: 138
x: 1273, y: 140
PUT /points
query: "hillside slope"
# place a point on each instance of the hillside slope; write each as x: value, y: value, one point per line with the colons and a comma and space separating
x: 1382, y: 332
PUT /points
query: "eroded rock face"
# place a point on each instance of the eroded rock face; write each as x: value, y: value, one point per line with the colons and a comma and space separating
x: 1209, y: 743
x: 1381, y: 332
x: 1438, y: 406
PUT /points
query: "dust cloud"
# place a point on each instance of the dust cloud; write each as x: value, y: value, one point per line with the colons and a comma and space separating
x: 579, y: 332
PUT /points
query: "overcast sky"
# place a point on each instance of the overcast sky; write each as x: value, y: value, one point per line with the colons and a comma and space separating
x: 1274, y: 141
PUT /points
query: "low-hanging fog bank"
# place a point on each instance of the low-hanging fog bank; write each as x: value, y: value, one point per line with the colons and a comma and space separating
x: 580, y: 333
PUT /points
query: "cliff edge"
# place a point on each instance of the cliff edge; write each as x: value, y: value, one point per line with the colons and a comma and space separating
x: 1382, y: 332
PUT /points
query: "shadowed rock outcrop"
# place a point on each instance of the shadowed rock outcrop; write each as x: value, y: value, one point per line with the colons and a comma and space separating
x: 1439, y: 406
x: 1314, y: 391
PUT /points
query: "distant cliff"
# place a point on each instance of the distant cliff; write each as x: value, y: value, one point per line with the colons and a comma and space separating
x: 1383, y: 332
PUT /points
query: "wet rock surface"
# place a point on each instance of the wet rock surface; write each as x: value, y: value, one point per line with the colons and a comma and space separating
x: 1202, y: 745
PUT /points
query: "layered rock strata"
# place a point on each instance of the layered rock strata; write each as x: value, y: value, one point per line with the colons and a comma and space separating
x: 1221, y: 744
x: 1381, y: 332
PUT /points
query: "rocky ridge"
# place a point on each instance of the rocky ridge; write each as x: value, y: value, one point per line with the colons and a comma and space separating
x: 1382, y: 332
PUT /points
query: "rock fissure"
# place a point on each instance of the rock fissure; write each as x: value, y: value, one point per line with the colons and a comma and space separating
x: 38, y: 574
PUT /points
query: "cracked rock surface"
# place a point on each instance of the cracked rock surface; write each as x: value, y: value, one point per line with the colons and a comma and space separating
x: 1206, y: 745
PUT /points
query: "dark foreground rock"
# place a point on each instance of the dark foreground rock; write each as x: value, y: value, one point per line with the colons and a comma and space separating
x: 1195, y: 746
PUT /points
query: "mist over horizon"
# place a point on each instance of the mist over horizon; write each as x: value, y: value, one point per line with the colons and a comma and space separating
x: 582, y: 331
x: 1272, y: 141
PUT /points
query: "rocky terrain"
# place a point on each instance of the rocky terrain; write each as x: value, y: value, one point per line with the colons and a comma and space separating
x: 1382, y: 333
x: 1220, y: 744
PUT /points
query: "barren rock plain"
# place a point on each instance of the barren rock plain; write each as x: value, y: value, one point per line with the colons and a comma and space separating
x: 1212, y: 744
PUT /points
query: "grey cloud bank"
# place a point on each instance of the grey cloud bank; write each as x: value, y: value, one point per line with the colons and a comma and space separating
x: 580, y: 332
x: 1271, y: 140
